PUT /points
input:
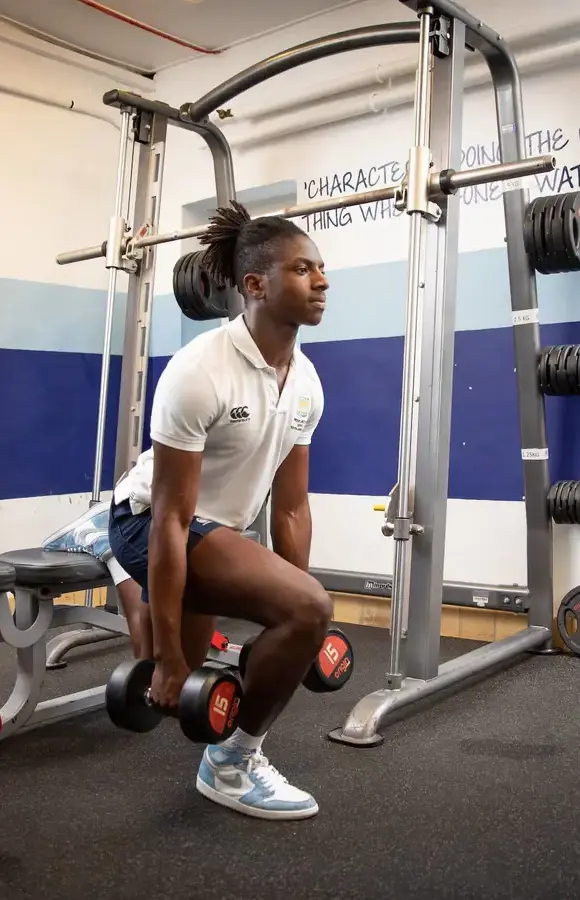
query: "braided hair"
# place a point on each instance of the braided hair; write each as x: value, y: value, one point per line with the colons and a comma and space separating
x: 237, y: 244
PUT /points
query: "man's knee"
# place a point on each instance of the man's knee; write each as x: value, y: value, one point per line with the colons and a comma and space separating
x: 313, y: 610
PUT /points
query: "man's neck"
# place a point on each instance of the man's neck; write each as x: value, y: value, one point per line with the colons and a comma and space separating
x: 275, y: 341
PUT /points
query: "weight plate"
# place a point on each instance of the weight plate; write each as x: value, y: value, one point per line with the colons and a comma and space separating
x: 571, y: 230
x: 561, y: 503
x: 562, y: 371
x: 573, y: 503
x: 569, y: 621
x: 543, y: 372
x: 576, y: 500
x: 182, y: 285
x: 539, y: 247
x: 209, y: 705
x: 529, y: 229
x: 176, y: 271
x: 333, y: 666
x: 572, y: 369
x: 551, y: 499
x: 565, y: 500
x: 554, y: 234
x: 553, y: 368
x: 189, y: 286
x: 558, y: 502
x: 125, y: 698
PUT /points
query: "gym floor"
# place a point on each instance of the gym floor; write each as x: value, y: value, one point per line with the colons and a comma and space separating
x: 470, y: 798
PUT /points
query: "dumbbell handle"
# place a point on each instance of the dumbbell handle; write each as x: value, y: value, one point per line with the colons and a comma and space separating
x: 165, y: 710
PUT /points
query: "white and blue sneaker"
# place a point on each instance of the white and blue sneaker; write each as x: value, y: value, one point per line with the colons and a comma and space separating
x: 245, y: 781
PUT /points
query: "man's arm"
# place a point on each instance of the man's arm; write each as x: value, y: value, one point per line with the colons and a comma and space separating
x: 291, y: 522
x: 174, y: 498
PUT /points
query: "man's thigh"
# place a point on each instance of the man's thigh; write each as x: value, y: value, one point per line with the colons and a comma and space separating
x: 230, y: 575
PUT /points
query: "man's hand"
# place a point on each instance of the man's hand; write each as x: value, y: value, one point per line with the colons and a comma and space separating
x: 168, y: 680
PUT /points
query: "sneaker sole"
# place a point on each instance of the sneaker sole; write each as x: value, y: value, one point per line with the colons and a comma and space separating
x: 232, y: 803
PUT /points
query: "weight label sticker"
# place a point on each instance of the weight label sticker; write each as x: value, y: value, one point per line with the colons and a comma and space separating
x: 526, y: 317
x: 513, y: 184
x: 510, y: 126
x: 535, y: 453
x: 480, y: 599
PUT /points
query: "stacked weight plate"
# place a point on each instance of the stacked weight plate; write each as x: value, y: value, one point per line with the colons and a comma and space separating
x: 564, y: 502
x: 196, y: 293
x: 552, y: 233
x: 559, y: 370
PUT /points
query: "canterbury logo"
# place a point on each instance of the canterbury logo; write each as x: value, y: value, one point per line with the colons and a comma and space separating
x: 239, y: 414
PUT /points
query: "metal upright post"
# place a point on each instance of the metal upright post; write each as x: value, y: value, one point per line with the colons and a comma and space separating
x: 436, y: 380
x: 417, y: 206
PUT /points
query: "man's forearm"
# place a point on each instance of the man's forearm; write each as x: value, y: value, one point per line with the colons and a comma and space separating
x: 167, y: 577
x: 292, y: 534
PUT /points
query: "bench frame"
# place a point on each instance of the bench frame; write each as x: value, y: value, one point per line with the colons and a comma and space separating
x: 35, y: 613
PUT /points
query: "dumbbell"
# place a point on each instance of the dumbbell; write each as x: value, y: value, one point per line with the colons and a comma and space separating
x: 331, y: 669
x: 208, y: 703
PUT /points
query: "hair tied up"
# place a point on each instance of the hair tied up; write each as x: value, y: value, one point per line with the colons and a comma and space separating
x: 219, y: 258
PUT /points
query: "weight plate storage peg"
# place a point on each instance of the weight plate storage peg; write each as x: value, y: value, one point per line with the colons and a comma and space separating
x: 569, y: 621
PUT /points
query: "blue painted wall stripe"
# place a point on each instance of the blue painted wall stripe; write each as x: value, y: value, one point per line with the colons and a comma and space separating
x: 48, y: 404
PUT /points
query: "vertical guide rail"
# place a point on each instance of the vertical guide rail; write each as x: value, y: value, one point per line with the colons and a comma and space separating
x: 152, y: 131
x: 436, y: 380
x: 417, y: 193
x: 114, y: 263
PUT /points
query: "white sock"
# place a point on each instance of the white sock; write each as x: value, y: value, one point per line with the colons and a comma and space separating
x: 246, y: 741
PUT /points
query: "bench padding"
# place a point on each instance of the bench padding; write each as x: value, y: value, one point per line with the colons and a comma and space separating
x: 41, y: 568
x: 7, y: 576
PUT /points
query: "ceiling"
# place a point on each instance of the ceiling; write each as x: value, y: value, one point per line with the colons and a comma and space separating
x: 214, y: 24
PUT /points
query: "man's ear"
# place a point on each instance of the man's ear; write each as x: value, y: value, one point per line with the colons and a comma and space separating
x: 255, y: 286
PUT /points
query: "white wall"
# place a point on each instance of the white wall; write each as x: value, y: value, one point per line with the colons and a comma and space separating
x: 492, y: 548
x: 58, y: 183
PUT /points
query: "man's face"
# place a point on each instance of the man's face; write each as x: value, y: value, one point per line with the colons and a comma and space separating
x: 294, y: 288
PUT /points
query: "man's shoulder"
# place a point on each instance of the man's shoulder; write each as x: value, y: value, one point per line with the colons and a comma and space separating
x: 307, y: 369
x: 200, y: 350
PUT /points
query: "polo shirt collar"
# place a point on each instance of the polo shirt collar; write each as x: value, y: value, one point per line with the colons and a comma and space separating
x: 244, y: 342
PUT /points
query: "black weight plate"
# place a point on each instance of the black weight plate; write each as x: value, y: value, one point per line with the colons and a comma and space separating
x: 189, y: 287
x: 560, y: 508
x: 182, y: 286
x: 569, y: 621
x: 562, y: 370
x: 176, y: 271
x: 570, y: 366
x: 557, y: 508
x: 571, y: 230
x: 551, y: 499
x: 333, y: 666
x: 553, y: 368
x: 554, y: 232
x: 550, y: 226
x: 540, y: 253
x: 577, y: 503
x: 208, y: 705
x: 529, y: 229
x: 125, y: 699
x: 543, y: 371
x: 565, y: 502
x: 572, y: 504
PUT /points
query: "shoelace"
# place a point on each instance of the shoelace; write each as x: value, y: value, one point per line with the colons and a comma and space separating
x: 270, y: 776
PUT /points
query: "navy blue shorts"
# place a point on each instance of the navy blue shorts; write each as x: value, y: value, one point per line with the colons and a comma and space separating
x: 129, y: 538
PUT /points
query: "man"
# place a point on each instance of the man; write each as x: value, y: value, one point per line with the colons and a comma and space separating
x: 233, y: 416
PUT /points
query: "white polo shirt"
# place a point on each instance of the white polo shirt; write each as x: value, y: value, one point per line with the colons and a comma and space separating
x: 218, y: 394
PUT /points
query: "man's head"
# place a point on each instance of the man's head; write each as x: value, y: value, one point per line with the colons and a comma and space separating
x: 271, y: 261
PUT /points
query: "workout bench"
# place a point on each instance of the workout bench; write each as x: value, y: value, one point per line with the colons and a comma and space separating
x: 37, y: 578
